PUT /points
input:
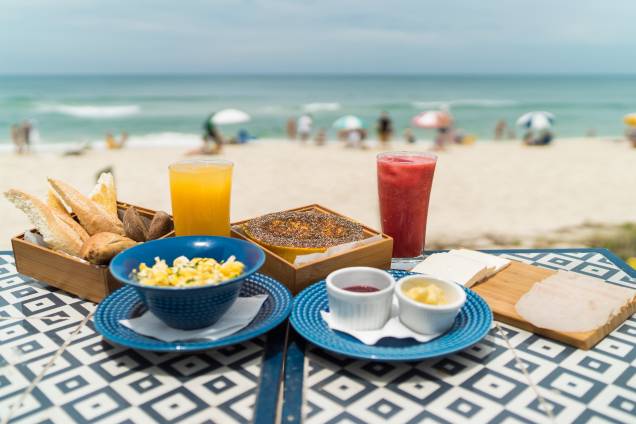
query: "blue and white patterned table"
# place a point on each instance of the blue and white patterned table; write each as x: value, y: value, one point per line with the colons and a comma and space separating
x: 54, y: 364
x: 511, y: 376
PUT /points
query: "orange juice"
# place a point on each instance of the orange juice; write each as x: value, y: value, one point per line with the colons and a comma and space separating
x: 200, y: 192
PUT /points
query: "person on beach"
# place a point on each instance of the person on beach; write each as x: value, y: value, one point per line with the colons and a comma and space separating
x: 409, y: 137
x: 500, y: 129
x: 242, y: 137
x: 25, y: 130
x: 123, y: 139
x: 16, y: 138
x: 341, y: 135
x: 630, y: 134
x: 354, y: 138
x: 113, y: 144
x: 305, y: 123
x: 457, y: 136
x: 78, y: 150
x: 291, y: 128
x: 212, y: 140
x: 321, y: 137
x: 385, y: 128
x: 443, y: 138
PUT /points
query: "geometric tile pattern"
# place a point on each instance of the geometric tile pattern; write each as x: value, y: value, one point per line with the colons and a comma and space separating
x: 486, y: 383
x: 59, y: 369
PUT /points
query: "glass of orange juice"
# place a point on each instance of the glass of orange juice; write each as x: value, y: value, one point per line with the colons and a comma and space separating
x: 200, y: 192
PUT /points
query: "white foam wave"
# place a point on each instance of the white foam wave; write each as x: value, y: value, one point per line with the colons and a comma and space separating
x: 447, y: 104
x: 320, y: 107
x: 165, y: 139
x: 271, y: 110
x: 91, y: 111
x: 152, y: 140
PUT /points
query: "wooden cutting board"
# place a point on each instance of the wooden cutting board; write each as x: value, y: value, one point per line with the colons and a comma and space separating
x: 503, y: 290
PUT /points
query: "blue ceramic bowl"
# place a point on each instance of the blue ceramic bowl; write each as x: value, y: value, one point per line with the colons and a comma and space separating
x: 192, y: 307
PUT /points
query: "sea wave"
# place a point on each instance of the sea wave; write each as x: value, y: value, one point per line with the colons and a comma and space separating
x: 447, y: 104
x: 91, y: 111
x: 273, y: 110
x: 150, y: 140
x: 321, y: 107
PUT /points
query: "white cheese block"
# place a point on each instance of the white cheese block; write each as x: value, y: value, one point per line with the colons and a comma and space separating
x: 459, y: 269
x: 493, y: 262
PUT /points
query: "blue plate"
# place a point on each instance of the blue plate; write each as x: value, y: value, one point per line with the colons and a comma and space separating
x: 125, y: 303
x: 471, y: 325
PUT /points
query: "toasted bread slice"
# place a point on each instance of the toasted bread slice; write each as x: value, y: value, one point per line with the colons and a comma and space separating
x: 93, y: 217
x: 55, y: 232
x: 60, y: 210
x: 105, y: 194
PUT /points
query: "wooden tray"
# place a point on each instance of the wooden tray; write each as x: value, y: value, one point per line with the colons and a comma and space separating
x: 296, y: 278
x: 503, y: 290
x: 88, y: 281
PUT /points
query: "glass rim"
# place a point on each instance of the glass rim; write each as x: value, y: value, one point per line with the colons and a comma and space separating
x: 202, y: 162
x: 406, y: 153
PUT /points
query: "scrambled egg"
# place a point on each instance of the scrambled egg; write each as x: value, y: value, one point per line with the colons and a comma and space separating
x: 429, y: 294
x: 186, y: 272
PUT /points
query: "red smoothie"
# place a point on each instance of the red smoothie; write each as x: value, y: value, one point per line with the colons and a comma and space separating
x: 404, y: 188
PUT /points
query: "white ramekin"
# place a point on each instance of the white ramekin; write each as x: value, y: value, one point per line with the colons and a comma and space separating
x: 429, y: 319
x: 360, y: 311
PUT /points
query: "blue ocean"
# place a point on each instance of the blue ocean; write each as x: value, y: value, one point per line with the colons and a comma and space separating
x: 85, y: 108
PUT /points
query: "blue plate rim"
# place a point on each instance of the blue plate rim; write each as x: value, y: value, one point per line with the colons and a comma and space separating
x: 385, y: 357
x: 232, y: 339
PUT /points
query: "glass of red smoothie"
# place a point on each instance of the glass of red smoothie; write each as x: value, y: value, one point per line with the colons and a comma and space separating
x: 404, y: 188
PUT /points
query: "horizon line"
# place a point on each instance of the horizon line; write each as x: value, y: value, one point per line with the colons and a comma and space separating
x: 320, y: 74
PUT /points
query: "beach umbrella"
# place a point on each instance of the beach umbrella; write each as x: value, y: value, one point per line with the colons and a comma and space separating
x: 536, y: 120
x: 432, y: 119
x: 630, y: 119
x: 229, y: 116
x: 348, y: 122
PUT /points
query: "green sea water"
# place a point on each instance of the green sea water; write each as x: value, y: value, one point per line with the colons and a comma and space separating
x: 84, y: 108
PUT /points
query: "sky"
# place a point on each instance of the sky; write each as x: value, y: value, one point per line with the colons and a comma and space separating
x: 318, y: 36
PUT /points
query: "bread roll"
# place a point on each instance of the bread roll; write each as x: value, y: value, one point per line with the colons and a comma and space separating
x: 93, y: 217
x: 102, y: 247
x: 160, y: 225
x: 134, y: 225
x: 57, y: 234
x: 105, y: 194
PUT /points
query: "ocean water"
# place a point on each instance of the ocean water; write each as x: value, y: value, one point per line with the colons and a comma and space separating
x: 85, y: 108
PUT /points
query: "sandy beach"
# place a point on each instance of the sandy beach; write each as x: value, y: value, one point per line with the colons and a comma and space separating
x: 492, y: 190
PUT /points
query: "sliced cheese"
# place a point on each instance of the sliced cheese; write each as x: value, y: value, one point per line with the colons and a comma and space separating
x: 570, y: 302
x: 614, y: 294
x: 553, y: 308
